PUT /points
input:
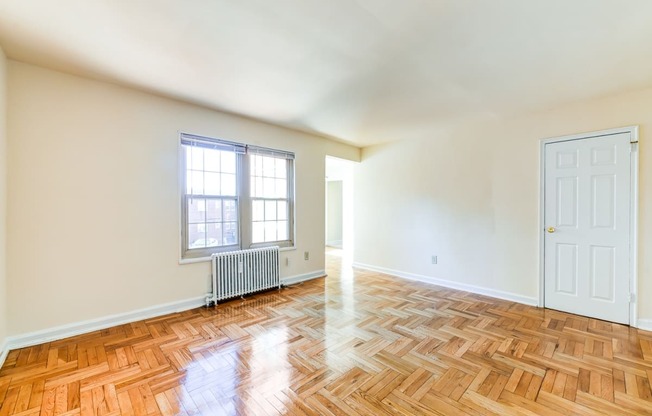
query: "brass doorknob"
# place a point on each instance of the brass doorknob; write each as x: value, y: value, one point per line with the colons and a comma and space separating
x: 551, y: 229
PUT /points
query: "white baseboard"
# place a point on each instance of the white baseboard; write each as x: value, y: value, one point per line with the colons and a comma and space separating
x: 302, y: 277
x: 76, y: 328
x: 452, y: 285
x: 4, y: 351
x: 334, y: 243
x: 82, y: 327
x: 645, y: 324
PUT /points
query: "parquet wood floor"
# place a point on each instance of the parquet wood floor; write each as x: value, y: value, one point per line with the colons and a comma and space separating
x: 356, y: 343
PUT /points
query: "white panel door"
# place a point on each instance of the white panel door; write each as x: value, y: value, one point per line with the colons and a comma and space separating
x: 587, y: 220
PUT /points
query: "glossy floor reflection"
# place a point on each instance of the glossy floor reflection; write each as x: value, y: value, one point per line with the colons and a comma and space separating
x: 355, y: 343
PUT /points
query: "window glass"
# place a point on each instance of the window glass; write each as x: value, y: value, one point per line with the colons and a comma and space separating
x: 214, y: 199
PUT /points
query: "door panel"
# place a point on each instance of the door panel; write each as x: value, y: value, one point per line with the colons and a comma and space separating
x: 567, y: 201
x: 603, y: 195
x: 586, y: 254
x: 566, y: 276
x: 603, y: 273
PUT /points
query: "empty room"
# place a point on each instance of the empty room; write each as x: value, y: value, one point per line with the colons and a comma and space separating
x: 344, y: 207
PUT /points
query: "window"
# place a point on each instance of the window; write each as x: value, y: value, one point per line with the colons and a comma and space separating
x: 234, y: 196
x: 269, y: 197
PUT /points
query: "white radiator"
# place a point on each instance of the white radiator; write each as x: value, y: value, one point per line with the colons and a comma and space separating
x: 236, y: 273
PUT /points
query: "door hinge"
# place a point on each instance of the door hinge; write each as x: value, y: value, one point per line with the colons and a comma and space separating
x: 631, y: 298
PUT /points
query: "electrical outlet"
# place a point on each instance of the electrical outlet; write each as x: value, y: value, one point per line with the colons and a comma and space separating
x: 434, y: 259
x: 306, y: 255
x: 287, y: 261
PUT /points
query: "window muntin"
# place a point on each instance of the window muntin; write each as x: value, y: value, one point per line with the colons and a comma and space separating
x: 234, y: 196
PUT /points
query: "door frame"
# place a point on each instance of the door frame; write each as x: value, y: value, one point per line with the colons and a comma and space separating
x: 633, y: 207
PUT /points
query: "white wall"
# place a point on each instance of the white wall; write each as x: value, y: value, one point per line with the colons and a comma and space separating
x: 471, y: 197
x: 3, y: 202
x: 93, y: 204
x: 334, y: 213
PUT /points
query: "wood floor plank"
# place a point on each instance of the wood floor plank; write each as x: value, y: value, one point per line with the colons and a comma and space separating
x: 379, y: 345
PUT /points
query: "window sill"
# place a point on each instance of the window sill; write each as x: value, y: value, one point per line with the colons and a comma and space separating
x: 208, y: 259
x: 194, y: 260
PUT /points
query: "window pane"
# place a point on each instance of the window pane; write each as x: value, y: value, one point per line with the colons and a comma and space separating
x: 282, y: 230
x: 258, y: 210
x: 259, y: 188
x: 281, y: 188
x: 270, y: 210
x: 212, y: 160
x: 230, y: 211
x: 258, y: 234
x: 214, y: 210
x: 230, y: 233
x: 228, y: 184
x: 214, y: 234
x: 194, y: 158
x: 270, y: 231
x: 268, y: 188
x: 196, y: 236
x: 196, y: 210
x: 282, y: 210
x: 196, y: 183
x: 228, y: 162
x: 281, y: 168
x: 258, y: 165
x: 269, y: 165
x: 211, y: 183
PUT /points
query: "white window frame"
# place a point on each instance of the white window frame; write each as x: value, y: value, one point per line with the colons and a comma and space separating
x: 243, y: 198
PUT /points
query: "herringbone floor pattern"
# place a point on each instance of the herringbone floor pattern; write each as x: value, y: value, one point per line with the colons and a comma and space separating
x: 372, y: 345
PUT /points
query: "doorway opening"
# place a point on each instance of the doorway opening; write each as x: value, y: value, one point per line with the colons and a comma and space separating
x: 339, y: 207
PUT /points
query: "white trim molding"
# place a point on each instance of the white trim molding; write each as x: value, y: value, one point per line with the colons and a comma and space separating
x: 645, y: 324
x: 77, y: 328
x: 291, y: 280
x: 499, y: 294
x: 4, y: 351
